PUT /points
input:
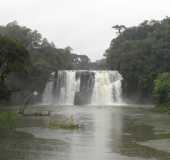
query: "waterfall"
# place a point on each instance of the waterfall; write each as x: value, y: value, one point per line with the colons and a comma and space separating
x: 107, y: 88
x: 70, y: 87
x: 47, y: 96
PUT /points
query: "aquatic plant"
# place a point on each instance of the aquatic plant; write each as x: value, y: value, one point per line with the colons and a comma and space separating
x: 68, y: 123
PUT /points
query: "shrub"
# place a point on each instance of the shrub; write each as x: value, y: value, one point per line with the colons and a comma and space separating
x: 8, y: 120
x: 162, y: 88
x: 162, y: 93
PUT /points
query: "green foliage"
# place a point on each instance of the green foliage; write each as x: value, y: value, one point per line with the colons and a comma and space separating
x: 13, y: 58
x: 42, y: 52
x: 23, y: 49
x: 140, y: 54
x: 4, y: 92
x: 162, y: 89
x: 8, y: 120
x: 162, y: 108
x: 119, y: 28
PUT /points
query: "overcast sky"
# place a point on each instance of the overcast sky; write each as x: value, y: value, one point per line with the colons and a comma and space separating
x: 85, y: 25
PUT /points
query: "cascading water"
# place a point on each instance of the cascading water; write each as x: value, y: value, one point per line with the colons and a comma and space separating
x: 107, y: 88
x: 47, y: 96
x: 70, y: 87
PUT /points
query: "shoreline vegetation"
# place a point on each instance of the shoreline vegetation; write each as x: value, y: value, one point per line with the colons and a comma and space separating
x: 8, y: 120
x: 142, y: 55
x: 162, y: 93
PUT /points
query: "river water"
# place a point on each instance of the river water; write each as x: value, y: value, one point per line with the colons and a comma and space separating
x: 105, y: 133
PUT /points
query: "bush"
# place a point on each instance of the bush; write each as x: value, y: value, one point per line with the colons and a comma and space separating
x: 162, y: 92
x: 162, y: 88
x: 8, y: 120
x: 163, y: 108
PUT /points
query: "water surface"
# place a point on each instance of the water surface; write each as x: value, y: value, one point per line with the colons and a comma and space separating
x: 105, y: 133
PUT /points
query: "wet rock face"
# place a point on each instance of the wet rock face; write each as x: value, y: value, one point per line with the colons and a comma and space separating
x: 87, y: 80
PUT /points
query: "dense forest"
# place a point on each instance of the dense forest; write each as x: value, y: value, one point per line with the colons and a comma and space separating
x: 27, y: 59
x: 141, y: 53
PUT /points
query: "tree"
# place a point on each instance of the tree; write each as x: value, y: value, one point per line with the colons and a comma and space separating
x: 43, y: 55
x: 140, y: 53
x: 162, y: 88
x: 119, y: 28
x: 13, y: 58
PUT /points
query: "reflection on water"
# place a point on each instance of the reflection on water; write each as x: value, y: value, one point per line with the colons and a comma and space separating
x: 106, y: 133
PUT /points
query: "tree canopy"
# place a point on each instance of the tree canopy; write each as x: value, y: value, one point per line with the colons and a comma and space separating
x: 162, y: 88
x: 42, y: 52
x: 20, y: 45
x: 13, y: 58
x: 140, y: 53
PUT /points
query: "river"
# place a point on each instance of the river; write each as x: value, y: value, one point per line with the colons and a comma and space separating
x: 128, y: 132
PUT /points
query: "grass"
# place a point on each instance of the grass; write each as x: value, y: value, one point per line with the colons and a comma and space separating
x: 162, y: 108
x: 162, y: 136
x: 68, y: 123
x: 8, y: 120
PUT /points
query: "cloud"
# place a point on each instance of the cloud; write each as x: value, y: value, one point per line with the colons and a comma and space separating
x: 85, y: 25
